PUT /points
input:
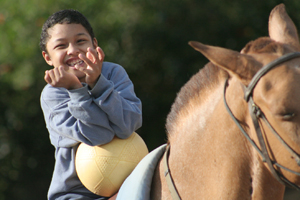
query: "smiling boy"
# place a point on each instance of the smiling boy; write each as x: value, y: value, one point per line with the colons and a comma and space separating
x: 86, y: 100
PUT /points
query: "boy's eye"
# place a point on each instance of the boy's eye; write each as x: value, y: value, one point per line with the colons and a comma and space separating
x: 59, y: 46
x: 81, y: 41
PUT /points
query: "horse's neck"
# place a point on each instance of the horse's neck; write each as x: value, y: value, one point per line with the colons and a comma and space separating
x: 264, y: 185
x: 211, y: 159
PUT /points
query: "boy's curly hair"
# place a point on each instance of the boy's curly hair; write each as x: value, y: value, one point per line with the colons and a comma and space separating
x: 67, y: 16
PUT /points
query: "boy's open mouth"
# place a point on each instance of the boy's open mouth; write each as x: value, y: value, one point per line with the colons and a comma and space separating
x: 72, y: 63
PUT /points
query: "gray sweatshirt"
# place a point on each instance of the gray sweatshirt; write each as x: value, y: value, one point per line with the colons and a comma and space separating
x: 93, y: 117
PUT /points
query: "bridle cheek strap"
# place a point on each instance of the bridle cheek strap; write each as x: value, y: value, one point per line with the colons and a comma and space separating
x: 255, y: 114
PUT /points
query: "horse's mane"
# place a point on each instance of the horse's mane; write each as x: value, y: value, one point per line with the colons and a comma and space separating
x: 210, y: 76
x: 204, y: 80
x: 265, y: 45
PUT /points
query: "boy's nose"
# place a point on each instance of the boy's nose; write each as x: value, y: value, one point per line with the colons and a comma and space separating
x: 72, y: 50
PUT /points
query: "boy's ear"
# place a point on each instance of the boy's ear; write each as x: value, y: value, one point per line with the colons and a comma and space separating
x: 95, y: 42
x: 47, y: 58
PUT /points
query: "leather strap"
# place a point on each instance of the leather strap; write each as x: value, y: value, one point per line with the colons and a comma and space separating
x: 265, y: 69
x: 262, y: 142
x: 170, y: 183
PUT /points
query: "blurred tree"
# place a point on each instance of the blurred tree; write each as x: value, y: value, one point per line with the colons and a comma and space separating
x: 148, y: 38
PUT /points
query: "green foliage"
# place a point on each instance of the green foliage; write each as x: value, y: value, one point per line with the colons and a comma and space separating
x: 148, y: 38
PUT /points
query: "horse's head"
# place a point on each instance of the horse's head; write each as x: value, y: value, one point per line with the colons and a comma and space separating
x: 276, y: 92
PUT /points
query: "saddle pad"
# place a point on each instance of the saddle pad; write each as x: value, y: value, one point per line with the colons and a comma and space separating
x: 138, y: 184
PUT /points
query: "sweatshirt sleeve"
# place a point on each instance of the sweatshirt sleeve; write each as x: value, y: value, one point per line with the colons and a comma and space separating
x: 93, y: 116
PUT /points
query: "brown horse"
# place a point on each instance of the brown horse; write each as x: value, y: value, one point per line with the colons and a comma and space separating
x: 214, y: 155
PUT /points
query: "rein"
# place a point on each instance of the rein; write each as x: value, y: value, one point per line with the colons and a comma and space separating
x: 170, y: 182
x: 256, y: 114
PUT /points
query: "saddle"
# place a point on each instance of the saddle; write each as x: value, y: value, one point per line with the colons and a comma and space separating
x: 137, y: 185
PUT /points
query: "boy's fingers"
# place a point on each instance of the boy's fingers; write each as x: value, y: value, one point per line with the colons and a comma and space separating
x: 101, y: 54
x: 60, y: 71
x: 47, y: 77
x: 93, y: 59
x: 86, y: 60
x: 51, y: 74
x: 90, y: 57
x: 54, y: 74
x: 92, y: 54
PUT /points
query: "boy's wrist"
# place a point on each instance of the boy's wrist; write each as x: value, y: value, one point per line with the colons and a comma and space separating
x: 75, y: 86
x: 80, y: 94
x: 102, y: 85
x: 92, y: 85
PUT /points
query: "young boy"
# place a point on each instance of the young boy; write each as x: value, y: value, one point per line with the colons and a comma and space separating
x: 86, y: 100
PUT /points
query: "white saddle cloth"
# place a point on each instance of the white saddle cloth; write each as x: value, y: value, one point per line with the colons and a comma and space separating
x: 138, y: 184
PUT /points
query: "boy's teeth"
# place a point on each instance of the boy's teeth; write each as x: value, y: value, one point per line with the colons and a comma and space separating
x: 75, y: 62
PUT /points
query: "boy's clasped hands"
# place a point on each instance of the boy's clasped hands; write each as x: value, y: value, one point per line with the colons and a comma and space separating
x: 59, y: 77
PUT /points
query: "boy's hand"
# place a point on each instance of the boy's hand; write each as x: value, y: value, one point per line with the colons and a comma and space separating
x: 58, y: 77
x: 94, y: 60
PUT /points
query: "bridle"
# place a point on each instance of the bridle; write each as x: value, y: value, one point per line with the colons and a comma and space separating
x: 256, y: 114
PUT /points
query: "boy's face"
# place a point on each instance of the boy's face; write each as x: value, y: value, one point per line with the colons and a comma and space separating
x: 65, y: 43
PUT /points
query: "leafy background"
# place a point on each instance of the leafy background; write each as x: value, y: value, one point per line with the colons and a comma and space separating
x: 148, y: 37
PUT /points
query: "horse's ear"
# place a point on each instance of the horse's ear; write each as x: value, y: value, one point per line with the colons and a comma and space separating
x: 241, y: 65
x: 282, y: 28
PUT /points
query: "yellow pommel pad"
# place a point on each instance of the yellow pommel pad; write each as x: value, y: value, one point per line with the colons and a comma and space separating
x: 102, y: 169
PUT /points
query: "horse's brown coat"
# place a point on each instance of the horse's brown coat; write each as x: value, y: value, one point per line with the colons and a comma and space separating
x: 209, y: 157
